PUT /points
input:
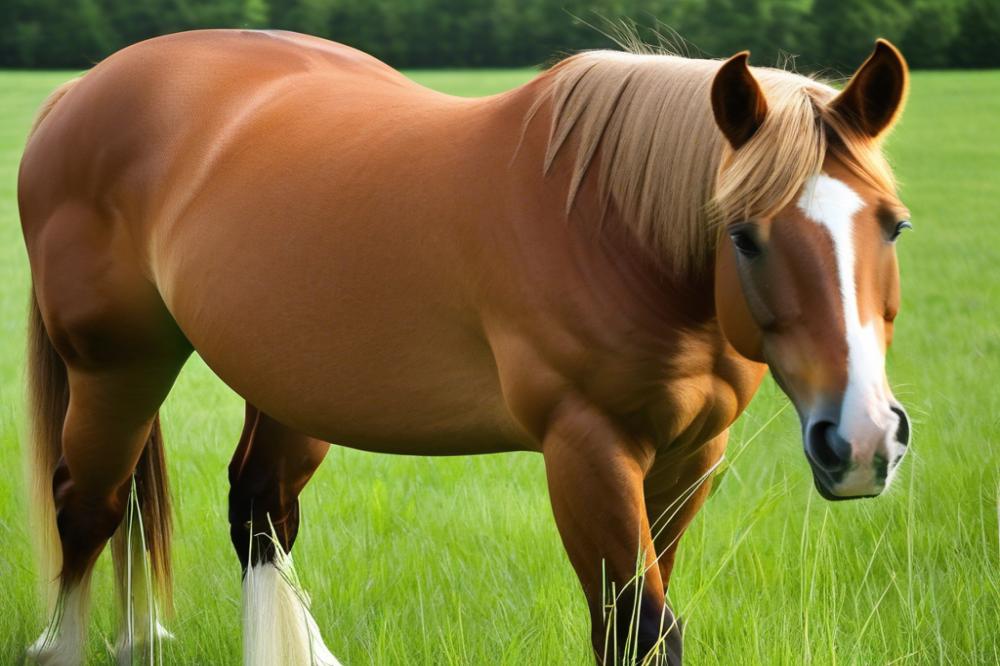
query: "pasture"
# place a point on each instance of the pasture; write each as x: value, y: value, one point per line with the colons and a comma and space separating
x: 457, y: 561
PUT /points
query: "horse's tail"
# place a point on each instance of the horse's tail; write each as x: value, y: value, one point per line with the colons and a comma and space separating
x: 48, y: 398
x: 50, y: 103
x: 153, y: 499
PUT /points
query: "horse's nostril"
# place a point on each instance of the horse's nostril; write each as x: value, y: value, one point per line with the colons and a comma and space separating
x: 903, y: 429
x: 826, y: 448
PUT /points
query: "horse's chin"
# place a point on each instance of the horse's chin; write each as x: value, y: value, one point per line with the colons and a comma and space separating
x: 830, y: 495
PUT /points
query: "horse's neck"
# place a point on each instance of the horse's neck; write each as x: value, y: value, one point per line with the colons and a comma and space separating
x: 580, y: 276
x: 595, y: 226
x: 582, y: 292
x: 681, y: 299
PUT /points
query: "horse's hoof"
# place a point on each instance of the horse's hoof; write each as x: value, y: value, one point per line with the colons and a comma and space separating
x: 50, y: 652
x: 130, y: 652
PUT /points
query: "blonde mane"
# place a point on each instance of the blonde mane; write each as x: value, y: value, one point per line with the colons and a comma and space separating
x: 642, y: 123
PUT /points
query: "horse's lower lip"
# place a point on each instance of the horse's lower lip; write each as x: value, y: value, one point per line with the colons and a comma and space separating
x: 828, y: 495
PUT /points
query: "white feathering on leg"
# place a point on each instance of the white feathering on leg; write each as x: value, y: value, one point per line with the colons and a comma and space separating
x: 63, y: 640
x: 277, y: 625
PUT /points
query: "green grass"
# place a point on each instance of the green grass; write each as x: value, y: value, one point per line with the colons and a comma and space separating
x: 457, y: 561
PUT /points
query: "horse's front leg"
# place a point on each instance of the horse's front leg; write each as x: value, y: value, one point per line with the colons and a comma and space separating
x: 595, y: 474
x: 675, y: 491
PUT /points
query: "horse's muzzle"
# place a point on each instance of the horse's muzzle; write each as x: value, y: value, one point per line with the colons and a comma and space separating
x: 857, y: 467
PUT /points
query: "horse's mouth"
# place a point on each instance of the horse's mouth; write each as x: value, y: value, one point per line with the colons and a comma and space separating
x: 826, y: 493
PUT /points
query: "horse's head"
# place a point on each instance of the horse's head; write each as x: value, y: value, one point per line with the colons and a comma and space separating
x: 813, y: 288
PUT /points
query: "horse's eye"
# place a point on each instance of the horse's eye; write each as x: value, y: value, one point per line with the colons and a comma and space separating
x: 745, y: 242
x: 900, y: 226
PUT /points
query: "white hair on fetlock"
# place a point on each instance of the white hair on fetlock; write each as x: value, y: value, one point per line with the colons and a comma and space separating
x: 277, y: 625
x: 140, y: 640
x: 63, y: 640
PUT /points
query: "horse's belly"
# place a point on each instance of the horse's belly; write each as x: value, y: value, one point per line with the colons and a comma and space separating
x: 365, y: 384
x: 362, y: 339
x: 368, y: 375
x: 425, y: 388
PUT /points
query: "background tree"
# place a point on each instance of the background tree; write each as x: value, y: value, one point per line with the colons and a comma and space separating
x: 847, y: 28
x: 463, y: 33
x: 978, y: 41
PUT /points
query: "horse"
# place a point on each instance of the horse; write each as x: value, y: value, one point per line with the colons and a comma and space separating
x: 598, y: 266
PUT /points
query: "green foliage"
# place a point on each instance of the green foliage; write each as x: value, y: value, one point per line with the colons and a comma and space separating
x: 436, y: 33
x: 847, y: 28
x: 934, y: 27
x: 979, y: 30
x: 255, y: 13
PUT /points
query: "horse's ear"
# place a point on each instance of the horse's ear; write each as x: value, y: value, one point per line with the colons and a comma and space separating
x: 737, y: 100
x: 874, y: 96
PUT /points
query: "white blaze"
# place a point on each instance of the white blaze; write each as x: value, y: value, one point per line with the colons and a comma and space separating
x: 865, y: 416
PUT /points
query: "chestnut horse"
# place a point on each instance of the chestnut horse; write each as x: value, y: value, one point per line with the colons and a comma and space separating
x: 598, y: 266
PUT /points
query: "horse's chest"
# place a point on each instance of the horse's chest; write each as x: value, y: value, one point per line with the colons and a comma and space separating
x: 693, y: 410
x: 704, y: 399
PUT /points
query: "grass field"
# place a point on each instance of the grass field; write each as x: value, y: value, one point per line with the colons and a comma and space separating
x: 457, y: 561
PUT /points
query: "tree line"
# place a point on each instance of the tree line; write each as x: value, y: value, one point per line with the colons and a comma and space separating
x: 832, y: 34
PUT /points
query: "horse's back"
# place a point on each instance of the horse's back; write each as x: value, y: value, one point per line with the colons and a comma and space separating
x: 169, y: 91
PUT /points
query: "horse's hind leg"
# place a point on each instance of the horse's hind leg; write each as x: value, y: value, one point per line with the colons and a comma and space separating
x: 141, y: 588
x: 271, y: 466
x: 107, y: 426
x: 104, y: 353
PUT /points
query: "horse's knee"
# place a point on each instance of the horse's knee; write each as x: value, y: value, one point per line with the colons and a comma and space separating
x: 271, y: 466
x: 645, y: 628
x: 669, y: 640
x: 262, y: 513
x: 258, y: 522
